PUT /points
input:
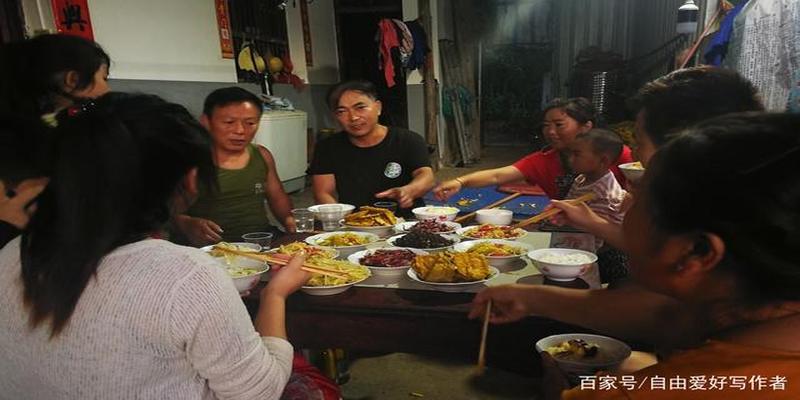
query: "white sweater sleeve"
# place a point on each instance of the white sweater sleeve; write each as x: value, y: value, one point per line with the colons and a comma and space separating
x: 211, y: 324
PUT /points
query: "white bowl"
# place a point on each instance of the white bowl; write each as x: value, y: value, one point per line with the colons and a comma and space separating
x: 633, y: 171
x: 329, y: 290
x: 381, y: 231
x: 245, y: 283
x: 435, y: 212
x: 344, y: 251
x: 610, y: 353
x: 391, y: 242
x: 345, y: 209
x: 496, y: 261
x: 494, y: 216
x: 254, y: 246
x: 563, y: 272
x: 404, y: 227
x: 463, y: 233
x: 388, y: 272
x: 455, y: 286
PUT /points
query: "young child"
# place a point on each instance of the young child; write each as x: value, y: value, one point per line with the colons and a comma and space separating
x: 591, y: 155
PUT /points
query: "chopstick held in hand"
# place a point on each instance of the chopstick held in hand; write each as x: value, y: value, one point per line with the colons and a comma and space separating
x: 484, y: 331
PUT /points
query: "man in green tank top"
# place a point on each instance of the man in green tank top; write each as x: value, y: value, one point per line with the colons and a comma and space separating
x: 248, y: 180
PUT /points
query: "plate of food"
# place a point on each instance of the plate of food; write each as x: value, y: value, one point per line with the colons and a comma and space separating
x: 345, y: 242
x: 310, y: 250
x: 240, y: 246
x: 451, y: 272
x: 430, y: 226
x: 430, y: 242
x: 489, y: 231
x: 438, y: 213
x: 584, y: 354
x: 499, y: 252
x: 387, y: 261
x: 323, y: 285
x: 379, y: 221
x: 244, y: 272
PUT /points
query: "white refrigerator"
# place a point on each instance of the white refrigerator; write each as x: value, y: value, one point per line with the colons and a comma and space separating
x: 284, y: 134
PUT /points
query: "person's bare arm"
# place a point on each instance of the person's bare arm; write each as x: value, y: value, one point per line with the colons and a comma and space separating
x: 406, y: 194
x: 270, y: 318
x: 496, y: 176
x: 279, y: 201
x: 324, y: 187
x: 582, y: 217
x: 629, y: 311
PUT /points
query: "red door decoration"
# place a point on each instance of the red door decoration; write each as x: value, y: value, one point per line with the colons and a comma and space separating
x: 72, y: 18
x: 224, y: 24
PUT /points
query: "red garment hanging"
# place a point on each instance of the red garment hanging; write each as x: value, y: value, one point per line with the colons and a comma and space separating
x: 388, y: 41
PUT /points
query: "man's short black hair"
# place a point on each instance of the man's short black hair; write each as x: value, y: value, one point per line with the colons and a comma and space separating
x: 687, y: 96
x: 336, y: 92
x: 230, y: 95
x: 603, y: 142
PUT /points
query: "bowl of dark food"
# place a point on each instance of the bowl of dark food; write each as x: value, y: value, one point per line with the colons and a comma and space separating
x: 430, y: 226
x: 584, y: 354
x: 430, y: 242
x: 386, y: 262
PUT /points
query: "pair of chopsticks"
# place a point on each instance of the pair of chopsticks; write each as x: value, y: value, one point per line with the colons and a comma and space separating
x: 484, y: 331
x: 553, y: 211
x: 279, y: 261
x: 493, y: 205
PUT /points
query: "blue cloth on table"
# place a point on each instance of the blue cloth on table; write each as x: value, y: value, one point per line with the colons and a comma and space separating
x: 522, y: 206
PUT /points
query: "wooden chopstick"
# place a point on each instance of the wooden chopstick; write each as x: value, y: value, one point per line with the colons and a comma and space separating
x: 484, y: 331
x: 266, y: 258
x: 312, y: 268
x: 553, y: 211
x: 493, y: 205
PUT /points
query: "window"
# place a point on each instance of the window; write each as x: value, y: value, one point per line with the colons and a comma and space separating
x: 262, y: 24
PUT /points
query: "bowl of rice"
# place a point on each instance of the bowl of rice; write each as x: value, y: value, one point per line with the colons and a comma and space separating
x: 562, y: 265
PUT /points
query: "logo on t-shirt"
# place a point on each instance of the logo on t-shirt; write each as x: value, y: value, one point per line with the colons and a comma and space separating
x: 393, y: 170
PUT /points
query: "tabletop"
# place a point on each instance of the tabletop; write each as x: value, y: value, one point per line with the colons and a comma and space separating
x: 390, y: 319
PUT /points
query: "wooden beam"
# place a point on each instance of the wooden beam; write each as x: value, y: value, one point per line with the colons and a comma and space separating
x: 431, y: 91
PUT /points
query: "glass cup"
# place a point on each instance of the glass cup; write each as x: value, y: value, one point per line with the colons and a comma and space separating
x: 264, y: 239
x: 330, y: 215
x: 303, y: 219
x: 389, y: 205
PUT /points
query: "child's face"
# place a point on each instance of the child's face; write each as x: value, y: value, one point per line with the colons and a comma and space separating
x: 584, y: 160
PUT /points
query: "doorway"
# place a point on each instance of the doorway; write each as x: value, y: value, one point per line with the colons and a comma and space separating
x: 356, y: 28
x: 12, y: 25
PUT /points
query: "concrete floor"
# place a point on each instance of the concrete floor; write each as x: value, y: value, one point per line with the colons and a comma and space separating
x: 406, y: 376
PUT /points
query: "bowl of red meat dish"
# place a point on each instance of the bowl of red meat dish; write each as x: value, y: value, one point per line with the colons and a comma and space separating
x: 387, y: 261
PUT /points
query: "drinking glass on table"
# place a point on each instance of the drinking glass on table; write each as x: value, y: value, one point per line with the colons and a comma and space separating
x: 303, y: 219
x: 330, y: 215
x: 264, y: 239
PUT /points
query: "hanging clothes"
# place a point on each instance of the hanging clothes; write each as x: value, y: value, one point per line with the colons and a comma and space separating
x: 406, y: 41
x: 718, y: 45
x: 421, y: 49
x: 387, y: 40
x: 766, y: 48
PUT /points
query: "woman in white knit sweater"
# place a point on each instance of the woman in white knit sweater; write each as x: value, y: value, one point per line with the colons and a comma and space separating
x: 92, y: 308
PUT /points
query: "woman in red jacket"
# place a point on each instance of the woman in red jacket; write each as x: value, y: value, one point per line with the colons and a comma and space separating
x: 548, y: 168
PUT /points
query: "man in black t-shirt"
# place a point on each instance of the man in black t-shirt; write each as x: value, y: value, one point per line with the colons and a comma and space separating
x: 368, y: 161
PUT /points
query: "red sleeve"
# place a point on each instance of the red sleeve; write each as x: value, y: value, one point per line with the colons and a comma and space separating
x: 541, y: 168
x: 624, y: 157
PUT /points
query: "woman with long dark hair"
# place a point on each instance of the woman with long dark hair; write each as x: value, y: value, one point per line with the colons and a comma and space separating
x: 95, y: 308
